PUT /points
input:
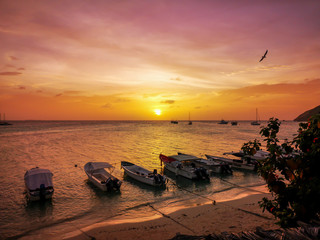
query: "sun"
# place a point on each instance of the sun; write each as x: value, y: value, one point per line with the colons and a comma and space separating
x: 157, y: 112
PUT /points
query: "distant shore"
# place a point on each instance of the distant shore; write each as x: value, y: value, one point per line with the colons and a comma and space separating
x: 231, y: 216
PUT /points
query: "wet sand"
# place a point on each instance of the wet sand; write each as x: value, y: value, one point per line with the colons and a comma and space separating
x: 232, y: 216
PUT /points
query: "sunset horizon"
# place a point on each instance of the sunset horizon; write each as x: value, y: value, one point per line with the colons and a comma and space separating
x: 137, y: 60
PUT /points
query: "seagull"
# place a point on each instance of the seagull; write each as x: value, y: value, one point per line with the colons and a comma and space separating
x: 264, y: 56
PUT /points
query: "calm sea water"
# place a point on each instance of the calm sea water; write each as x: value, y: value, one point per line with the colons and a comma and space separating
x: 60, y: 145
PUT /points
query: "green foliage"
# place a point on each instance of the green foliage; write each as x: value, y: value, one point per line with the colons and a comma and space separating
x: 291, y: 171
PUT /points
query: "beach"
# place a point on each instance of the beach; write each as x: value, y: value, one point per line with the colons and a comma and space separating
x: 231, y: 216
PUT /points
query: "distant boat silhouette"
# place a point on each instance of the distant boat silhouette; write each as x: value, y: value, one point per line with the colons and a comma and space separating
x: 190, y: 123
x: 256, y: 122
x: 3, y: 122
x: 174, y: 122
x: 264, y: 56
x: 223, y: 122
x: 234, y: 123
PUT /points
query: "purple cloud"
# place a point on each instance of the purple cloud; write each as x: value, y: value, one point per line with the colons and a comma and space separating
x: 10, y: 73
x: 14, y: 58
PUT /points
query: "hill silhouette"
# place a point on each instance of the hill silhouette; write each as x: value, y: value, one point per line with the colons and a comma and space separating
x: 304, y: 116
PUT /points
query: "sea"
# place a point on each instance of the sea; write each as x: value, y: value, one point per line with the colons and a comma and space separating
x: 64, y: 147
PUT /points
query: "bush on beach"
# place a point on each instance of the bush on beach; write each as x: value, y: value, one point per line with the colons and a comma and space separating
x: 291, y: 171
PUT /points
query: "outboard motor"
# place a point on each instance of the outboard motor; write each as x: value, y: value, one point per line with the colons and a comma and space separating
x: 204, y: 173
x: 109, y: 184
x: 42, y: 192
x: 161, y: 179
x: 201, y: 173
x: 116, y: 183
x: 198, y: 173
x: 229, y: 170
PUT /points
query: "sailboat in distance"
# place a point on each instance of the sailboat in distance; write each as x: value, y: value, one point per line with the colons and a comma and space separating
x: 3, y: 122
x: 190, y: 123
x: 256, y: 122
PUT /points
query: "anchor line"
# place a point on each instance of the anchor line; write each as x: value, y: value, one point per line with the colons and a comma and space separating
x: 167, y: 216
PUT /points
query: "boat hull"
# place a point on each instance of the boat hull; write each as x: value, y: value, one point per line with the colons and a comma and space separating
x: 102, y: 179
x: 36, y: 196
x: 180, y: 172
x: 234, y: 163
x: 143, y: 175
x: 38, y: 184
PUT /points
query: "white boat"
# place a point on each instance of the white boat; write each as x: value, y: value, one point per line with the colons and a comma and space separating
x: 100, y: 177
x: 234, y: 163
x: 39, y: 184
x: 259, y: 155
x: 185, y: 166
x: 210, y: 164
x: 143, y: 175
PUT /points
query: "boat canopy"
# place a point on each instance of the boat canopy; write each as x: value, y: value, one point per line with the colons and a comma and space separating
x: 98, y: 165
x: 184, y: 157
x: 37, y: 176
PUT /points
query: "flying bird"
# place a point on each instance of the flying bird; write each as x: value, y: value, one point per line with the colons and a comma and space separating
x: 264, y: 56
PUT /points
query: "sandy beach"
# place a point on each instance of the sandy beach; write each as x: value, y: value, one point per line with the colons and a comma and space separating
x: 232, y: 216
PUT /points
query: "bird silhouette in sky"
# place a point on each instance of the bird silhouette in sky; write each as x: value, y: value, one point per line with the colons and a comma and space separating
x: 264, y: 56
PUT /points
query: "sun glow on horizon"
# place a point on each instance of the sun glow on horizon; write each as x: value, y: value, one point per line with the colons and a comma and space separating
x: 157, y: 112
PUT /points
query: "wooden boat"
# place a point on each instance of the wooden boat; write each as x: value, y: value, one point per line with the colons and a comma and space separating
x: 211, y: 165
x: 185, y: 166
x: 100, y: 177
x: 234, y: 163
x: 143, y: 175
x: 39, y: 184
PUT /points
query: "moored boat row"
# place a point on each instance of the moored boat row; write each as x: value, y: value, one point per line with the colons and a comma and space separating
x: 39, y: 184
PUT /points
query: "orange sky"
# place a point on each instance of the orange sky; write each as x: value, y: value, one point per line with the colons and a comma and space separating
x: 121, y: 60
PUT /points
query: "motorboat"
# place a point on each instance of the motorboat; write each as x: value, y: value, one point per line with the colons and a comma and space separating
x: 99, y: 173
x: 259, y: 155
x: 223, y: 122
x: 234, y: 163
x: 38, y: 182
x: 211, y: 165
x: 143, y: 175
x: 184, y: 165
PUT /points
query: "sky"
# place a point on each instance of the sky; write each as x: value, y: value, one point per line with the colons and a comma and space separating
x: 158, y: 60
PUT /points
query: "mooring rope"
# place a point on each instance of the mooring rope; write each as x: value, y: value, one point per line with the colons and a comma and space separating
x: 247, y: 188
x: 167, y: 216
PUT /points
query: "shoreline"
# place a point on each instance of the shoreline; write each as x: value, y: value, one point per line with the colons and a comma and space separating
x: 243, y: 214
